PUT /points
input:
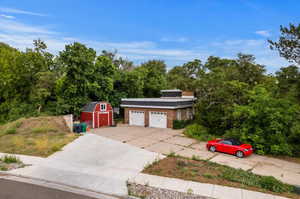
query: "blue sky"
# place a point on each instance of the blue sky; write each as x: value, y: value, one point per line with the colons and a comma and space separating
x: 176, y: 31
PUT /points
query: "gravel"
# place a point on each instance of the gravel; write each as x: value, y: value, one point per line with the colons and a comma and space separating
x: 147, y: 192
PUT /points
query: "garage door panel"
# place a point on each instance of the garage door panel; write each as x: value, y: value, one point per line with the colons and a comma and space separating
x: 158, y: 119
x: 137, y: 118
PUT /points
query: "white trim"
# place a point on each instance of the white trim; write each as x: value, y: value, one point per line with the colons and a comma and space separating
x: 171, y: 90
x: 98, y: 120
x: 93, y: 120
x: 112, y: 117
x: 108, y: 119
x: 101, y: 107
x: 161, y: 107
x: 188, y: 97
x: 103, y: 112
x: 158, y: 99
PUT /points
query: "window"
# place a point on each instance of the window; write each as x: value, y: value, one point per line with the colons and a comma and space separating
x: 226, y: 142
x: 178, y: 115
x: 102, y: 107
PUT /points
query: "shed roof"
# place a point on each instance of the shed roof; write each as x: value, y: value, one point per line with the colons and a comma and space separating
x: 90, y: 107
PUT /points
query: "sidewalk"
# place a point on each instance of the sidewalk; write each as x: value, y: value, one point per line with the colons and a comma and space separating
x: 201, y: 189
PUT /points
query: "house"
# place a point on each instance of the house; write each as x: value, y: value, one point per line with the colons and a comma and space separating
x: 97, y: 114
x: 159, y: 112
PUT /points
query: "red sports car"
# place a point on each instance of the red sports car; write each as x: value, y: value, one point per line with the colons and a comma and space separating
x: 231, y: 146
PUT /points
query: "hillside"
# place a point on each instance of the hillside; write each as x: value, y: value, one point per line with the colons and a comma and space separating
x: 37, y: 136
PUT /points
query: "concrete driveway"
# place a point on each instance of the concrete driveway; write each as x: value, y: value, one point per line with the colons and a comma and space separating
x: 165, y: 141
x: 92, y: 162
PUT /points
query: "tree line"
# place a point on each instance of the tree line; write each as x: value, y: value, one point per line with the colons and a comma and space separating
x: 235, y: 97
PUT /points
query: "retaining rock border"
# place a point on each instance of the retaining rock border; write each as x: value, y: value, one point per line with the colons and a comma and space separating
x: 148, y: 192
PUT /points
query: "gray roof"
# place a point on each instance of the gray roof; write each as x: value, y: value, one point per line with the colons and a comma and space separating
x: 165, y: 103
x: 90, y: 107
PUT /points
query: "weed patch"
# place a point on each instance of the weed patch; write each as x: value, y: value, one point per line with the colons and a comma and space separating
x: 40, y: 136
x: 8, y: 159
x: 209, y: 172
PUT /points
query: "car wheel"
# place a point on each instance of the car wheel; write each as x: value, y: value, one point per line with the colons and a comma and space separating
x: 239, y: 154
x: 212, y: 149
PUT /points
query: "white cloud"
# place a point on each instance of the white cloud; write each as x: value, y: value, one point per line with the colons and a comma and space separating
x: 264, y: 33
x: 21, y: 36
x: 170, y: 39
x: 7, y: 16
x: 18, y: 11
x: 13, y: 26
x: 259, y: 48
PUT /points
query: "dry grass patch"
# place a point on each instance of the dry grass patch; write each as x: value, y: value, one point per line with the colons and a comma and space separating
x: 40, y: 136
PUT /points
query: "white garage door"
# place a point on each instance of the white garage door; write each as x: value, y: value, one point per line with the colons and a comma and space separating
x: 158, y: 119
x: 136, y: 118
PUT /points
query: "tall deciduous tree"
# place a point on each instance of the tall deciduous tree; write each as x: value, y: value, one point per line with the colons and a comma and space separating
x: 289, y: 82
x: 154, y: 77
x: 72, y: 88
x: 288, y: 44
x: 184, y: 77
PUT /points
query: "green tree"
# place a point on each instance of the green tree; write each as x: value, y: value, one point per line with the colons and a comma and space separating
x: 100, y: 81
x: 184, y: 77
x: 289, y: 82
x: 288, y: 44
x: 154, y: 77
x: 73, y: 88
x: 268, y: 123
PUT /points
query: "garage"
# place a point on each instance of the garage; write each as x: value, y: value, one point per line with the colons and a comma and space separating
x: 157, y: 119
x: 137, y: 118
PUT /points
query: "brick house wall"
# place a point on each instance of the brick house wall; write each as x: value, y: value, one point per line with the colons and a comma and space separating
x: 171, y: 114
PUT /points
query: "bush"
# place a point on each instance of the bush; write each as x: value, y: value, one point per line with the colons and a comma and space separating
x: 199, y: 132
x: 11, y: 130
x: 272, y: 184
x: 180, y: 124
x: 248, y: 178
x: 8, y: 159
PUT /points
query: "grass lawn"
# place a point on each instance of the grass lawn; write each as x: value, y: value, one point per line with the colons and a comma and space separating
x: 39, y: 136
x: 213, y: 173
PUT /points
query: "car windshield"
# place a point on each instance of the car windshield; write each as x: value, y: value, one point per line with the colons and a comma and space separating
x: 236, y: 142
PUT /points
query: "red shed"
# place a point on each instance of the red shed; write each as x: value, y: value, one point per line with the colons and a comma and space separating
x: 97, y: 114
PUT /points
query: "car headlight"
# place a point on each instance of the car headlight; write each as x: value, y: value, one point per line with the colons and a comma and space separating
x: 246, y: 149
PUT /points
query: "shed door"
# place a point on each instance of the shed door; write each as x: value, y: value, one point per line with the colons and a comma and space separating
x: 137, y: 118
x: 158, y: 119
x: 103, y: 118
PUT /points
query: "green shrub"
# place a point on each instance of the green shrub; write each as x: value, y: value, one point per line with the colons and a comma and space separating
x: 208, y: 175
x: 180, y: 124
x: 272, y: 184
x: 10, y: 159
x: 199, y: 132
x: 196, y: 158
x: 171, y: 154
x: 3, y: 168
x: 11, y: 130
x: 248, y: 178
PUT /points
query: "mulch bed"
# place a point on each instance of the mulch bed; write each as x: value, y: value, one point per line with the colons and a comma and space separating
x: 199, y: 171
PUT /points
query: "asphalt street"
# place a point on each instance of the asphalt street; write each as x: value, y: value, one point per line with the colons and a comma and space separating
x: 11, y: 189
